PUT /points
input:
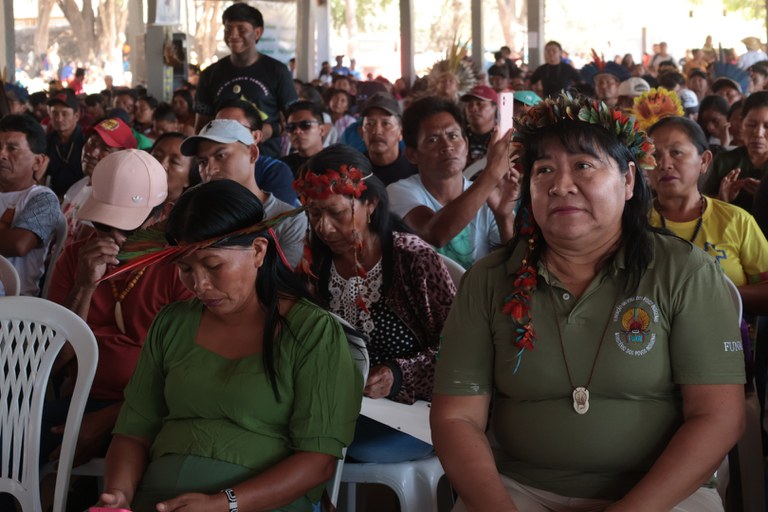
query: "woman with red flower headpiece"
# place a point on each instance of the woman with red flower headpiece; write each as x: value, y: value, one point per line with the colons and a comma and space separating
x: 611, y: 349
x: 388, y: 283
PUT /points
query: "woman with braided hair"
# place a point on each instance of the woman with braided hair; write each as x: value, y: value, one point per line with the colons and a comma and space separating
x: 612, y: 350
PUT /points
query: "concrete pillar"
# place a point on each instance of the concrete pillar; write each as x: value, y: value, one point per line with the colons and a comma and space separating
x: 536, y: 37
x: 407, y: 68
x: 323, y: 35
x: 477, y: 34
x: 134, y: 35
x: 8, y: 42
x: 306, y: 21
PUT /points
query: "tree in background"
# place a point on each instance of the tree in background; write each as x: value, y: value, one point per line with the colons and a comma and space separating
x: 99, y: 34
x: 354, y: 15
x: 205, y: 17
x: 756, y: 9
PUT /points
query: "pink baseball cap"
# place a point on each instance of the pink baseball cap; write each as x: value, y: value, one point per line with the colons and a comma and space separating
x: 126, y: 186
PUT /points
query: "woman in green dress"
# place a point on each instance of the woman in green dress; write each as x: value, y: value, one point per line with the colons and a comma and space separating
x: 248, y: 388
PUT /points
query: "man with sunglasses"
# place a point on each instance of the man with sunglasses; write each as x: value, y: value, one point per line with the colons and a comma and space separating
x: 247, y: 74
x: 306, y: 130
x: 226, y: 150
x: 129, y: 190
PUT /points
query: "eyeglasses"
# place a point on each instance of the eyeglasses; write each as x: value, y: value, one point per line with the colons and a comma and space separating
x: 304, y: 126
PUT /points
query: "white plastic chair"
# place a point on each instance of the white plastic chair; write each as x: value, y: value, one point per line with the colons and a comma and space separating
x: 362, y: 362
x: 414, y: 482
x: 32, y: 332
x: 54, y: 253
x: 454, y: 269
x: 475, y: 168
x: 9, y: 277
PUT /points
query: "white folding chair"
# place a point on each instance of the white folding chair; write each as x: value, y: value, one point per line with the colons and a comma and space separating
x: 54, y: 253
x: 9, y: 277
x: 32, y: 332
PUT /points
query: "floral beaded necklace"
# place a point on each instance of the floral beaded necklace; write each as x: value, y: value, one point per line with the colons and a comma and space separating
x: 518, y: 303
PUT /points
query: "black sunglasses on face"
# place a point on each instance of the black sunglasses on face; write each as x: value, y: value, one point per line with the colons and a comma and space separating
x: 304, y: 126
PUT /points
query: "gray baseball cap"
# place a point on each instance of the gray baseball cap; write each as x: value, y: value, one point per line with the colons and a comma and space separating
x: 224, y: 131
x: 383, y: 101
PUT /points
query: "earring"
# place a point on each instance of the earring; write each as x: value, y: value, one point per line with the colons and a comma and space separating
x: 368, y: 216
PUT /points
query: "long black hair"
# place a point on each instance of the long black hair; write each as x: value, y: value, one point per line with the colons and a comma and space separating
x: 383, y: 222
x: 592, y: 139
x: 222, y: 206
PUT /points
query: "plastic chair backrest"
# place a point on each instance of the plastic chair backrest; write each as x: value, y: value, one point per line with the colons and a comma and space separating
x: 32, y: 333
x: 357, y: 344
x: 735, y: 296
x: 475, y: 168
x: 454, y: 269
x: 9, y: 277
x: 54, y: 253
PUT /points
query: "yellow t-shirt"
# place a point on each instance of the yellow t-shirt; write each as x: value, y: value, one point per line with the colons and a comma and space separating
x: 731, y: 236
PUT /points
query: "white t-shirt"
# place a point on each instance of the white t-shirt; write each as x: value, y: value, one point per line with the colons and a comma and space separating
x: 476, y: 240
x: 74, y: 199
x: 35, y: 209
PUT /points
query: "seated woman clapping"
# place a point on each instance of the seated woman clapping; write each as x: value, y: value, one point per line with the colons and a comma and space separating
x: 386, y: 282
x: 249, y: 387
x: 724, y: 231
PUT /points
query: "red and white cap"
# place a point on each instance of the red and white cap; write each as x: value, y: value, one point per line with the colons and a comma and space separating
x: 127, y: 185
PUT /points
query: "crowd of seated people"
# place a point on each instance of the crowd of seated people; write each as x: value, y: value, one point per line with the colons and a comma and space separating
x: 593, y: 291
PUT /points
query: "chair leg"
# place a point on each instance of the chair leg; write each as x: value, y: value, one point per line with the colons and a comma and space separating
x: 347, y: 501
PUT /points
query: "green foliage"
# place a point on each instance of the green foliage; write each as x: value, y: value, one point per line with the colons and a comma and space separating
x: 366, y: 12
x: 751, y: 8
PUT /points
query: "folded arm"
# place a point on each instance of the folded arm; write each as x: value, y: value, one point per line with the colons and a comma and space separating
x: 713, y: 423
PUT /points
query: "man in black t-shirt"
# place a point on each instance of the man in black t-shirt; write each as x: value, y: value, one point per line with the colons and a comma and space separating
x: 65, y: 142
x: 555, y: 74
x: 246, y: 74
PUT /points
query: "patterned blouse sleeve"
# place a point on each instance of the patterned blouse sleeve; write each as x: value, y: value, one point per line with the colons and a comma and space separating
x: 430, y: 291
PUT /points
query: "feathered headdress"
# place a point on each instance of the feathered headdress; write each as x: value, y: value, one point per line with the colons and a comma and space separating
x: 599, y: 65
x: 566, y: 107
x: 724, y: 69
x: 148, y: 246
x: 654, y: 105
x: 465, y: 74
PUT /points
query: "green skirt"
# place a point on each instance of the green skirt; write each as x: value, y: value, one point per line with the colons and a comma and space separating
x: 172, y: 475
